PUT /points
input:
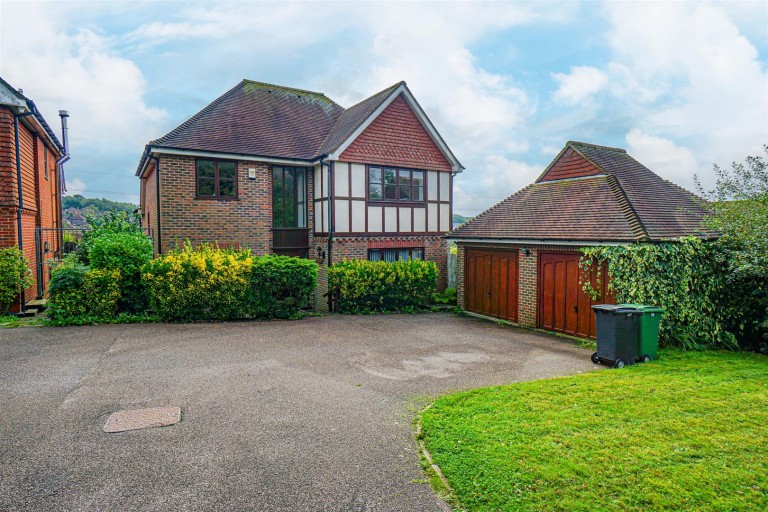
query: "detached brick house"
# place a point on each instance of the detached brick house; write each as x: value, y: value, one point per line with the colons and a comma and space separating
x: 288, y: 171
x: 518, y: 261
x: 31, y: 183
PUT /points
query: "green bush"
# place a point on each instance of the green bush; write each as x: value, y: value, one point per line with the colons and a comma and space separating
x: 447, y: 297
x: 202, y: 283
x: 683, y: 277
x: 374, y: 286
x: 110, y: 223
x: 77, y: 291
x: 210, y: 283
x: 14, y: 276
x: 128, y: 252
x: 281, y: 286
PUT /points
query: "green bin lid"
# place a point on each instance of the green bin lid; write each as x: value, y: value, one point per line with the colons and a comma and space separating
x: 644, y: 308
x: 615, y: 308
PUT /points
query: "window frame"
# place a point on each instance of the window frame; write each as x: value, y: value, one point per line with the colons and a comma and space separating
x: 397, y: 251
x: 216, y: 179
x: 398, y: 170
x: 45, y: 161
x: 296, y: 202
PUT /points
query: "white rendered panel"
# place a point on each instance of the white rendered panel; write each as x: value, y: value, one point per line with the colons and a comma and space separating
x: 374, y: 219
x: 420, y: 219
x: 324, y: 207
x: 318, y: 217
x: 432, y: 217
x: 358, y: 216
x: 445, y: 186
x: 316, y: 183
x: 405, y: 219
x: 341, y: 213
x: 324, y: 179
x: 445, y: 217
x: 390, y: 219
x: 358, y: 180
x: 431, y: 185
x: 340, y: 180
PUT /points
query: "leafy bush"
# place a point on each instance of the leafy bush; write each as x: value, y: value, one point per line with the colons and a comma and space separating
x: 281, y: 286
x: 372, y: 286
x: 77, y: 291
x: 127, y: 252
x: 447, y: 297
x: 14, y: 276
x: 683, y: 277
x: 210, y: 283
x: 110, y: 223
x: 203, y: 283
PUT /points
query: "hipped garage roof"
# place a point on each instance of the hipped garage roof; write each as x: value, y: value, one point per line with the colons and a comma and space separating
x: 591, y: 193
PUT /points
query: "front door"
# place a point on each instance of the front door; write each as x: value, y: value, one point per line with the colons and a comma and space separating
x: 491, y: 279
x: 563, y: 305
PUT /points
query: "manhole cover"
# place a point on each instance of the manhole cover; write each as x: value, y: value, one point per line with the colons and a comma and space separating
x: 121, y: 421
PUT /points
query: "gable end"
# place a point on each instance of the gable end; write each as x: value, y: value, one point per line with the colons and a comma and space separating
x: 569, y: 164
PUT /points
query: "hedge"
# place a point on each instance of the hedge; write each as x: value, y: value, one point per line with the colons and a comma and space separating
x: 210, y: 283
x: 14, y: 276
x: 127, y: 252
x: 77, y: 291
x: 363, y: 287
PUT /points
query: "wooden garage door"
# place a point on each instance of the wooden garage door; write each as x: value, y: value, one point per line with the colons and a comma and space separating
x: 563, y: 305
x: 490, y: 287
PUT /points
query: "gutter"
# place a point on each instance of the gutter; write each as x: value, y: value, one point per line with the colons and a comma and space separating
x: 157, y: 191
x: 528, y: 241
x: 20, y: 186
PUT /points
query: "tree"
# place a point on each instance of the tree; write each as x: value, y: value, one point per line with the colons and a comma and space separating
x: 738, y: 207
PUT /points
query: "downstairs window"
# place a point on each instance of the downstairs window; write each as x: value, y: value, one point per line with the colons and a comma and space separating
x: 398, y: 254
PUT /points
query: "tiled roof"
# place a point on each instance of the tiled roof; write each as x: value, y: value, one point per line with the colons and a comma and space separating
x: 627, y: 202
x: 586, y: 209
x: 279, y: 122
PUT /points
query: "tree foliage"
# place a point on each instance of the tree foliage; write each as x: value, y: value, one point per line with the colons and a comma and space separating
x: 738, y: 206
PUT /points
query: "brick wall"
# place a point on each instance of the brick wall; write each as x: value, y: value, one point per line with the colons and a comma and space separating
x: 528, y: 268
x: 397, y: 137
x: 245, y: 221
x: 40, y: 190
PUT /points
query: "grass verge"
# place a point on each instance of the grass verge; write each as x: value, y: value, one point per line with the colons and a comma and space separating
x: 687, y: 432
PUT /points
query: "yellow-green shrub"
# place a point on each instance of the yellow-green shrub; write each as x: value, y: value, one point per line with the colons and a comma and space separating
x: 78, y: 293
x: 363, y: 286
x: 199, y: 283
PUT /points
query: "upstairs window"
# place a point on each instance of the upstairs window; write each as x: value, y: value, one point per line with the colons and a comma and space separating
x: 399, y: 254
x: 216, y: 179
x: 393, y: 184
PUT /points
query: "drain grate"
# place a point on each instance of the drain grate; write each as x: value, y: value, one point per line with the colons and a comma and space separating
x: 121, y: 421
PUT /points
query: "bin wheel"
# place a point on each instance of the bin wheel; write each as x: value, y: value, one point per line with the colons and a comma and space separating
x: 646, y: 358
x: 619, y: 363
x: 595, y: 359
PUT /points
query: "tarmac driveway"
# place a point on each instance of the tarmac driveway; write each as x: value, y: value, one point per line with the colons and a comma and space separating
x: 307, y: 415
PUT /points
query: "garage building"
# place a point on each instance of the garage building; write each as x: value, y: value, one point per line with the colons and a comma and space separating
x: 519, y: 260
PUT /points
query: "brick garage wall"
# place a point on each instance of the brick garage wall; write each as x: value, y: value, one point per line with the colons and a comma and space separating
x: 148, y: 206
x: 245, y: 221
x: 528, y: 268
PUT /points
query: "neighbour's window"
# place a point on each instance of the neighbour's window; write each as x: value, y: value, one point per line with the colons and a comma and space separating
x: 216, y: 179
x: 391, y: 184
x: 45, y: 160
x: 289, y: 197
x: 399, y: 254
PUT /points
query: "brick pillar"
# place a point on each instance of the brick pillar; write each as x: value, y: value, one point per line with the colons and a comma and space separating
x: 321, y: 302
x: 528, y: 268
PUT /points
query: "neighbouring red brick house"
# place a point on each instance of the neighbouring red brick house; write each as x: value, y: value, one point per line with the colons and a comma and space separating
x: 31, y: 183
x: 519, y: 260
x: 288, y: 171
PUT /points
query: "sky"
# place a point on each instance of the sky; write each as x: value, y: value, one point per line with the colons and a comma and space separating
x: 680, y: 85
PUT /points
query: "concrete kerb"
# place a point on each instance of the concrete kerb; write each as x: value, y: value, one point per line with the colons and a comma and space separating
x: 447, y: 489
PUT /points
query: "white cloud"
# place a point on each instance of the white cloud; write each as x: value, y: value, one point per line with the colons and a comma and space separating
x: 495, y: 178
x: 76, y: 71
x: 580, y: 84
x: 75, y: 186
x: 663, y: 156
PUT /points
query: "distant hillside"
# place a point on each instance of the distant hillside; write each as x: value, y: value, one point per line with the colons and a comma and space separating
x: 459, y: 219
x: 76, y: 208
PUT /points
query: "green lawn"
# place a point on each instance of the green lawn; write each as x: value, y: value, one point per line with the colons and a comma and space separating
x: 688, y: 432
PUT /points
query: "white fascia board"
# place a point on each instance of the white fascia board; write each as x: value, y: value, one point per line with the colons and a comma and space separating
x: 423, y: 119
x: 522, y: 241
x: 230, y: 156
